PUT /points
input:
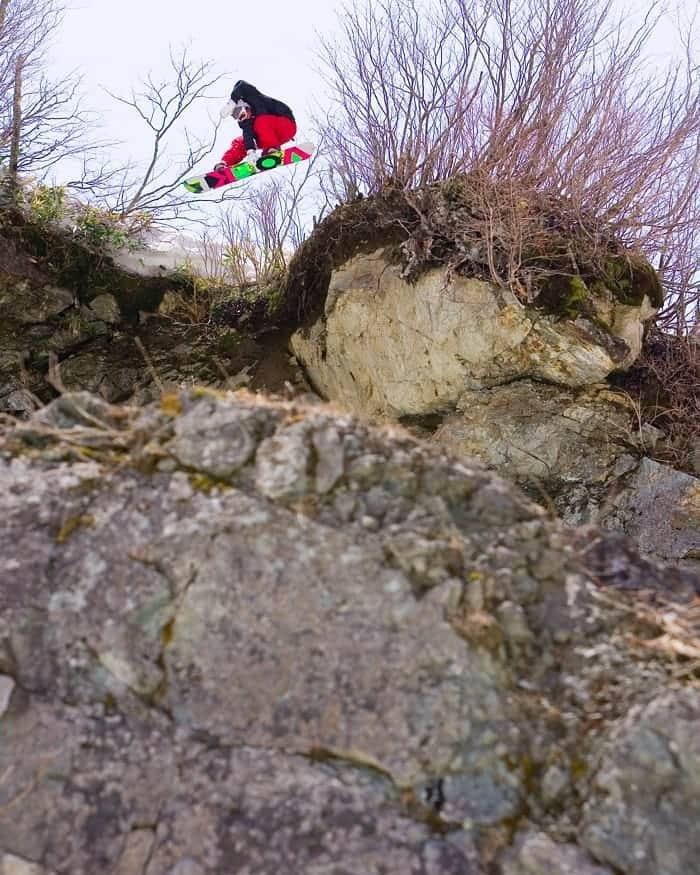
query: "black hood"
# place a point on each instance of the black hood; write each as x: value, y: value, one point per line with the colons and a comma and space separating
x: 260, y: 103
x: 243, y: 90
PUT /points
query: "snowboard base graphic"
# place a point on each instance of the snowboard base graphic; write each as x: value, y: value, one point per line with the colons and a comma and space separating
x: 219, y: 178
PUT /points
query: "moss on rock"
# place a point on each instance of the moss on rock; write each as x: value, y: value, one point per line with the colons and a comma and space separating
x: 631, y: 278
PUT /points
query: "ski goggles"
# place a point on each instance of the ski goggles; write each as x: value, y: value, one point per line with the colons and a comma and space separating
x: 237, y: 108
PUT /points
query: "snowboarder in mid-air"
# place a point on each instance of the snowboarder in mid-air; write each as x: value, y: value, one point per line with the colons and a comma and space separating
x: 265, y: 123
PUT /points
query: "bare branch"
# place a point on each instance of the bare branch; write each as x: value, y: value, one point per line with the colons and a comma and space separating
x: 16, y: 115
x: 52, y: 124
x: 553, y: 96
x: 161, y: 105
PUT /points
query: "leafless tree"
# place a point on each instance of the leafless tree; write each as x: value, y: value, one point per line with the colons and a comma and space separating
x: 16, y: 132
x: 153, y: 185
x: 48, y: 121
x: 555, y: 96
x: 401, y: 79
x: 263, y: 230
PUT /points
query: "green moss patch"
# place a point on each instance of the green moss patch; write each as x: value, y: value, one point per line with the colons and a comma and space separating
x: 630, y: 278
x: 73, y: 524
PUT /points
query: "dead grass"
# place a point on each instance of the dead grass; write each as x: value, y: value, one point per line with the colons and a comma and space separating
x: 667, y: 628
x: 662, y: 602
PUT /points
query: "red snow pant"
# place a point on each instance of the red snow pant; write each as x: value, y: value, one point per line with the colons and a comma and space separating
x: 270, y: 132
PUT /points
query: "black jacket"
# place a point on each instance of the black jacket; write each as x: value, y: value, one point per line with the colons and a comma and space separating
x: 261, y: 104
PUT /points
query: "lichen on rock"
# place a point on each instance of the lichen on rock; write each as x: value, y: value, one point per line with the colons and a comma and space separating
x: 279, y: 670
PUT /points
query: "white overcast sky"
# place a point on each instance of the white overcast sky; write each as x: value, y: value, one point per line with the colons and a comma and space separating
x: 114, y: 43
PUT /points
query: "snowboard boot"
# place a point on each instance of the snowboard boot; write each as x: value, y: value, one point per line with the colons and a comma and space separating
x: 270, y: 158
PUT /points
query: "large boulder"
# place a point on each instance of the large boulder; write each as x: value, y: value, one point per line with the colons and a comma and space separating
x: 262, y: 637
x: 384, y: 346
x: 518, y: 386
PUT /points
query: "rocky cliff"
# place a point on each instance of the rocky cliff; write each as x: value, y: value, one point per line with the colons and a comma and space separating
x: 126, y: 325
x: 248, y: 635
x: 521, y: 382
x: 253, y: 637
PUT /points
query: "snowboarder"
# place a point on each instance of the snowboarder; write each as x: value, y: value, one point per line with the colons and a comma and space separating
x: 266, y: 124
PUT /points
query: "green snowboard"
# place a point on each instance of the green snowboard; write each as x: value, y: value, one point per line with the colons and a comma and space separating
x: 220, y: 178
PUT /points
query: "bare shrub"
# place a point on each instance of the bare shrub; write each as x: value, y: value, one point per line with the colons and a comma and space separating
x: 553, y: 97
x: 677, y: 256
x: 401, y: 80
x: 262, y: 231
x: 666, y: 383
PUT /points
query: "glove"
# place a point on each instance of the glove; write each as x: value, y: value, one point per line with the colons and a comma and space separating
x: 227, y: 109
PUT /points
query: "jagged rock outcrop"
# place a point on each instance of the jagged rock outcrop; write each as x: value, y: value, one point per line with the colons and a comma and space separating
x: 517, y: 386
x: 100, y: 320
x: 262, y: 637
x: 384, y: 346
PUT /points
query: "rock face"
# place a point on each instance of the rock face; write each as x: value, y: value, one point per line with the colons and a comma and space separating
x: 660, y: 508
x: 567, y: 441
x: 513, y: 386
x: 580, y: 451
x: 386, y: 347
x: 101, y: 344
x: 247, y: 636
